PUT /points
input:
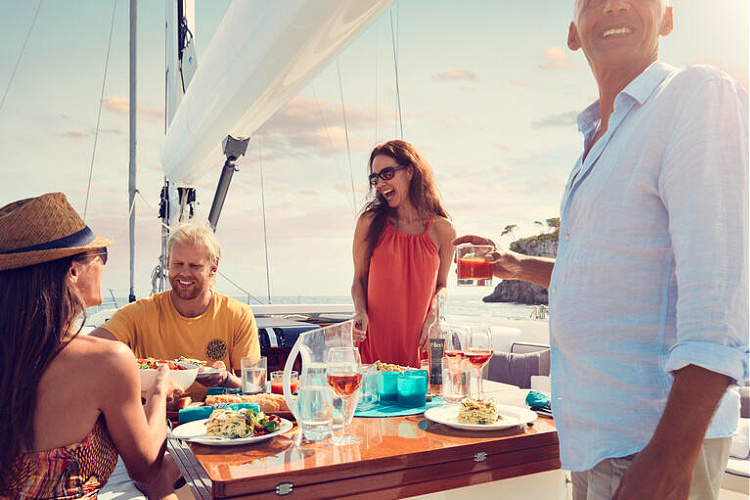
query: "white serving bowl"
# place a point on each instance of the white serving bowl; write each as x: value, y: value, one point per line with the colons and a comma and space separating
x: 181, y: 378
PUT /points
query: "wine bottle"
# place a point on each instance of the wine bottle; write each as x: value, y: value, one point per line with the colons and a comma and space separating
x: 436, y: 341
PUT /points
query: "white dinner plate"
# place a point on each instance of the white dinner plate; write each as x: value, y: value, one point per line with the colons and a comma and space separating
x: 195, y: 432
x: 512, y: 416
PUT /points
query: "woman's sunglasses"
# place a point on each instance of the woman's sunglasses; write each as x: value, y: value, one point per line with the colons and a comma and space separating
x: 386, y: 174
x: 100, y: 252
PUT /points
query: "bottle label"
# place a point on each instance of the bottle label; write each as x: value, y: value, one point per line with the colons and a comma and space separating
x: 436, y: 356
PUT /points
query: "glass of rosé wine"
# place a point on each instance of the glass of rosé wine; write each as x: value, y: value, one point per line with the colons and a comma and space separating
x: 478, y: 352
x: 472, y: 267
x: 344, y: 376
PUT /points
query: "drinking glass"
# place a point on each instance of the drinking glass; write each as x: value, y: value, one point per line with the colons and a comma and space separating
x: 344, y: 376
x: 472, y: 268
x: 253, y: 375
x: 455, y: 342
x: 455, y: 379
x: 277, y: 382
x: 369, y: 392
x: 478, y: 352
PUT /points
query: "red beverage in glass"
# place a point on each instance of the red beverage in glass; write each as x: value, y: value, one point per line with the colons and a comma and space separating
x: 474, y: 268
x: 344, y: 385
x: 478, y: 358
x: 454, y: 354
x: 277, y: 386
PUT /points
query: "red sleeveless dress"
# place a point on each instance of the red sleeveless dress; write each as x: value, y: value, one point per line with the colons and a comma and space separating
x: 400, y: 287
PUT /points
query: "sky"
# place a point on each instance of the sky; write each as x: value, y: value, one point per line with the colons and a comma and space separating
x: 488, y: 90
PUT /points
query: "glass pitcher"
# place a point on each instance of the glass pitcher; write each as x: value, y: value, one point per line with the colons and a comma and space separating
x: 314, y: 404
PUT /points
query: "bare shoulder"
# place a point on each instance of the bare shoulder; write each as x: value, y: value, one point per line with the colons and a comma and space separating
x: 444, y: 229
x: 365, y: 220
x: 103, y: 357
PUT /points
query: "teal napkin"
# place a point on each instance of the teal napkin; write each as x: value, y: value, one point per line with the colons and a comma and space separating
x: 201, y: 412
x: 536, y: 399
x: 391, y: 409
x: 215, y: 391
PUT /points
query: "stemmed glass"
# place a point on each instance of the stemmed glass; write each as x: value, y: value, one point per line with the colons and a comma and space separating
x: 479, y: 352
x: 455, y: 342
x: 344, y: 376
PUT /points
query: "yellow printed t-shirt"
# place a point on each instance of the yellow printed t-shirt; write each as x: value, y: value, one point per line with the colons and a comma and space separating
x: 151, y: 326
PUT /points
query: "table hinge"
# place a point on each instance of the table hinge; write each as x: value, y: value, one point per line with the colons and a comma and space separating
x: 284, y: 488
x: 480, y: 457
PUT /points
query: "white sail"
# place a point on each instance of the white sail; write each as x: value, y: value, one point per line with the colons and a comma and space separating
x: 262, y: 55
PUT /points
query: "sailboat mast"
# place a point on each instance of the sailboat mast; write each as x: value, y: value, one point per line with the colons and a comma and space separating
x: 132, y: 165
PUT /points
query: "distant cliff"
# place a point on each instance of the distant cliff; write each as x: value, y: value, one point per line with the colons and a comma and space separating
x: 543, y: 245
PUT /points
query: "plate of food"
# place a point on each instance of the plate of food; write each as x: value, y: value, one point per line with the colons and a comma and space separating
x: 228, y: 427
x: 480, y: 415
x: 203, y: 370
x: 181, y: 375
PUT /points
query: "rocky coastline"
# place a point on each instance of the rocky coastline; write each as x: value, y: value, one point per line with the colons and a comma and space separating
x: 543, y: 245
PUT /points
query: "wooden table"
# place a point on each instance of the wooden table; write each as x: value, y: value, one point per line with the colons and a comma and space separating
x: 398, y: 457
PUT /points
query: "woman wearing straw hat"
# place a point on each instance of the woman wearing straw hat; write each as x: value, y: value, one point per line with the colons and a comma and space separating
x: 68, y: 403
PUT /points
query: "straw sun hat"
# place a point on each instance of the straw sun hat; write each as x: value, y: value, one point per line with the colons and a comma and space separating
x: 42, y: 229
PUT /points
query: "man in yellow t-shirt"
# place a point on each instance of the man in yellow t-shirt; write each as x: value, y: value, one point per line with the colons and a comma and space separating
x: 191, y: 319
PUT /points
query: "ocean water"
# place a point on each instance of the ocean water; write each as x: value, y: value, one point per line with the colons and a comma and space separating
x: 460, y: 301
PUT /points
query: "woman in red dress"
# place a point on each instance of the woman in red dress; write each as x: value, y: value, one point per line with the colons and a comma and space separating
x: 403, y: 248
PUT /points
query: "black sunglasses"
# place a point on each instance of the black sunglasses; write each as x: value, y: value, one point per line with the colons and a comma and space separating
x: 386, y: 174
x: 101, y: 252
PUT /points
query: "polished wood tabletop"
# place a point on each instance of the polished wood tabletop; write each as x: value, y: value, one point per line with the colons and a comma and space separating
x: 398, y: 457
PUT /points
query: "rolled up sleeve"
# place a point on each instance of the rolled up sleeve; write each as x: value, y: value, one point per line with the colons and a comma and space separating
x: 704, y: 189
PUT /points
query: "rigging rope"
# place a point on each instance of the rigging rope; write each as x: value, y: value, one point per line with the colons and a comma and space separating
x: 99, y: 114
x: 263, y: 208
x: 20, y: 55
x: 346, y: 134
x: 394, y: 42
x: 328, y: 135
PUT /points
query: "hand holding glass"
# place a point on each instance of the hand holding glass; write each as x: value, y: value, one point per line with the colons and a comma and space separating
x: 473, y: 269
x: 344, y: 376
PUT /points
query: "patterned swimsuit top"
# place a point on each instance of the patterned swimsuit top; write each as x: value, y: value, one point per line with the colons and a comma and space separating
x: 74, y: 471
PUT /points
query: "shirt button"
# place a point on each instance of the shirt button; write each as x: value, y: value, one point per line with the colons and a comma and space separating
x: 554, y: 290
x: 566, y: 236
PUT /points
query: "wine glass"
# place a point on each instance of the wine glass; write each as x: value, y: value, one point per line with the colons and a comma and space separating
x: 344, y: 376
x: 455, y: 342
x: 479, y: 352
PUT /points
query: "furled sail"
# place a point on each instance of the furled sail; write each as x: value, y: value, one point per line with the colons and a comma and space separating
x: 262, y: 55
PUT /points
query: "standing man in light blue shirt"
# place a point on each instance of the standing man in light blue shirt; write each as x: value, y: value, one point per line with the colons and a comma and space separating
x: 649, y: 291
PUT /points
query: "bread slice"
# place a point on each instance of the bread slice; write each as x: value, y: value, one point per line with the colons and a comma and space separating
x: 269, y: 403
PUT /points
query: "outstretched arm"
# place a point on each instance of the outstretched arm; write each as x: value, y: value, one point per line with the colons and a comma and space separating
x: 509, y: 265
x: 361, y: 272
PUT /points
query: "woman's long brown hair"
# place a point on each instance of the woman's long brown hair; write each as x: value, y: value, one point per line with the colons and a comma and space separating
x: 423, y: 191
x: 38, y: 308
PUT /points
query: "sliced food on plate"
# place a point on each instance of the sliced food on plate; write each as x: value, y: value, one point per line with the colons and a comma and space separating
x: 244, y: 422
x: 478, y: 411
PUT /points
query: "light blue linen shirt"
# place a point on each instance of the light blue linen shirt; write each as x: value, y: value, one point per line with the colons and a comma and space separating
x: 652, y: 266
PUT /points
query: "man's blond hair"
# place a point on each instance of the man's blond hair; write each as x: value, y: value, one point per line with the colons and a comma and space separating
x: 194, y: 234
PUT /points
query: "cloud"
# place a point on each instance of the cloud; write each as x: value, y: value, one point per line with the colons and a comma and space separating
x: 566, y: 120
x: 74, y: 134
x: 121, y: 105
x: 456, y: 75
x: 305, y: 126
x: 518, y: 82
x: 555, y: 57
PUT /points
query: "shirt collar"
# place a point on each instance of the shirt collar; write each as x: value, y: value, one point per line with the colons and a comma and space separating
x: 640, y: 88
